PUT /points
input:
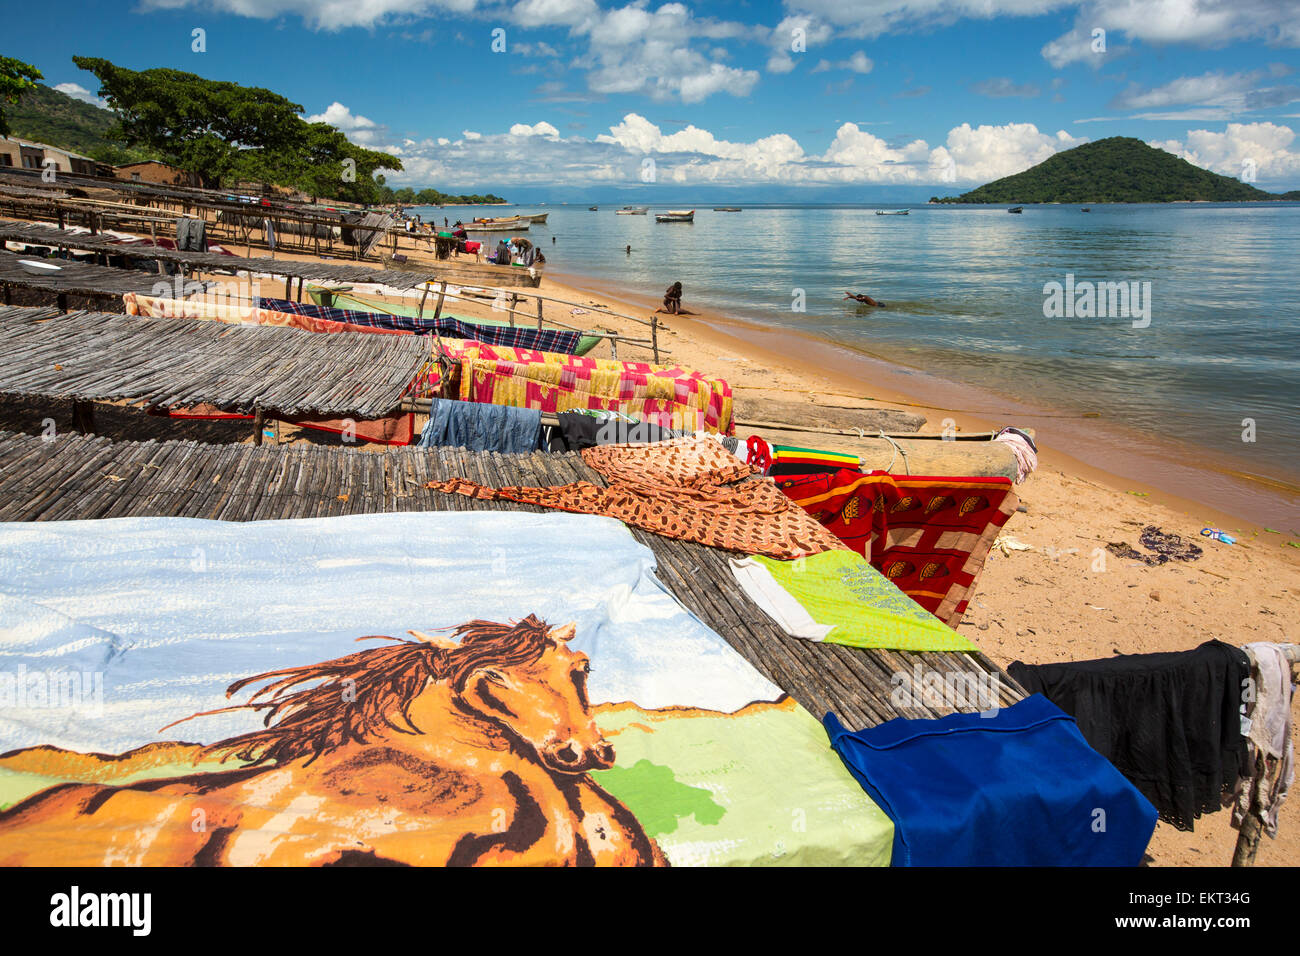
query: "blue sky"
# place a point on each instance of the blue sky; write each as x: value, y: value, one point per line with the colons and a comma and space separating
x: 940, y: 94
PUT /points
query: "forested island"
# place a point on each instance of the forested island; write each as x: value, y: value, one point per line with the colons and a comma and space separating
x: 1118, y: 169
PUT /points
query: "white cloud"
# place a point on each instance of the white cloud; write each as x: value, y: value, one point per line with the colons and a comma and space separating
x: 536, y: 154
x: 1266, y: 147
x: 859, y: 62
x: 792, y: 37
x: 538, y: 129
x: 1203, y: 23
x: 324, y: 14
x: 1214, y: 95
x: 79, y: 92
x: 636, y: 50
x: 469, y: 134
x: 359, y: 129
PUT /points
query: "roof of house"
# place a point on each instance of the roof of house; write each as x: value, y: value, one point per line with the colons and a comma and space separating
x: 34, y: 145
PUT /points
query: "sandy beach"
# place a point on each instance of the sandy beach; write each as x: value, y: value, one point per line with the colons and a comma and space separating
x: 1047, y: 603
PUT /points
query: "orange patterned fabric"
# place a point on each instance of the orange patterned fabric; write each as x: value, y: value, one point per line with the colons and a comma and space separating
x: 687, y: 488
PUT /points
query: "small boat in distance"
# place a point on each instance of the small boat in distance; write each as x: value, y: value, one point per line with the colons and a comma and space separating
x: 891, y: 212
x: 727, y: 209
x: 1016, y: 209
x: 592, y: 208
x: 1086, y: 209
x: 676, y: 215
x: 632, y: 211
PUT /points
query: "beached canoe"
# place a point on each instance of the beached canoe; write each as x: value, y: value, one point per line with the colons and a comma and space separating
x: 365, y: 303
x: 676, y: 215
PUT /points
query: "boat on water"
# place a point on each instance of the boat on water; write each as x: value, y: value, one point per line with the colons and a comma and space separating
x: 593, y: 208
x: 632, y: 211
x: 891, y: 212
x: 539, y: 219
x: 503, y: 220
x: 727, y: 209
x: 1086, y: 209
x: 676, y: 215
x: 1016, y: 209
x: 513, y: 225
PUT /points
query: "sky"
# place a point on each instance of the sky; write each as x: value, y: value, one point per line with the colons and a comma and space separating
x: 789, y: 98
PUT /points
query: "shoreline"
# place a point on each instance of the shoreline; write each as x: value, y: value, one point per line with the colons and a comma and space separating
x: 1117, y: 459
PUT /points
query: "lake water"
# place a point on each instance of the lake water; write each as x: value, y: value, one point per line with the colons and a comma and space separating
x: 964, y: 288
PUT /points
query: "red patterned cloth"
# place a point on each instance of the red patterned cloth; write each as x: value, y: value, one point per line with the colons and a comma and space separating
x: 929, y: 535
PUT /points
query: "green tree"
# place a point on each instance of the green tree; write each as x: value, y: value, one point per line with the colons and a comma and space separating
x: 223, y: 131
x: 16, y: 78
x: 201, y: 125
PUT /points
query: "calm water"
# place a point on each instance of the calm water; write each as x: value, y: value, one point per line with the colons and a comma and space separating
x: 964, y: 288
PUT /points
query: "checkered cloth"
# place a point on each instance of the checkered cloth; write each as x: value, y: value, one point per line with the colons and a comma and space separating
x: 542, y: 340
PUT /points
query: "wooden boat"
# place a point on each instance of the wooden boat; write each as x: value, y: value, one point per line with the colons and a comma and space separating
x: 540, y: 219
x: 503, y: 220
x: 514, y: 225
x: 632, y: 211
x: 676, y: 215
x: 891, y: 212
x: 1016, y: 209
x: 592, y: 208
x: 1086, y: 209
x: 727, y: 209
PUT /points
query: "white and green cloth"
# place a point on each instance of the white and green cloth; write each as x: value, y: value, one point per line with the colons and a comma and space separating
x: 837, y: 597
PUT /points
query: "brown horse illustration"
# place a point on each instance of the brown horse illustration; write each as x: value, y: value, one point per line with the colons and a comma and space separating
x: 424, y: 751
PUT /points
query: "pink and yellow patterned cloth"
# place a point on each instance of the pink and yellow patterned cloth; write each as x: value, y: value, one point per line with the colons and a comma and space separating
x: 668, y: 395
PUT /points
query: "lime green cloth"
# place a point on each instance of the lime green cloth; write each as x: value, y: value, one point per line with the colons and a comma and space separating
x: 862, y: 606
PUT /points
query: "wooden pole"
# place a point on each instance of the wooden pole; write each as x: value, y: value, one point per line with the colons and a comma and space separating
x: 442, y: 294
x: 654, y: 335
x: 259, y: 421
x: 539, y: 314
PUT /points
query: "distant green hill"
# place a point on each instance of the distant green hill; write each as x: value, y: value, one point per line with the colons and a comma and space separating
x: 47, y: 116
x: 1117, y: 169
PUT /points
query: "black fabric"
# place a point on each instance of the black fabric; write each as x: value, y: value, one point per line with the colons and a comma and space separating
x: 191, y: 235
x: 577, y: 431
x: 1164, y: 545
x: 1169, y: 722
x: 779, y: 470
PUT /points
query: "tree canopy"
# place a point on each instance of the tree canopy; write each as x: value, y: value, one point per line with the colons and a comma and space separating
x: 224, y: 132
x: 16, y: 78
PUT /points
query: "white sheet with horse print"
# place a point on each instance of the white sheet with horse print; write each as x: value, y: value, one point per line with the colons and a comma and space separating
x: 529, y: 694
